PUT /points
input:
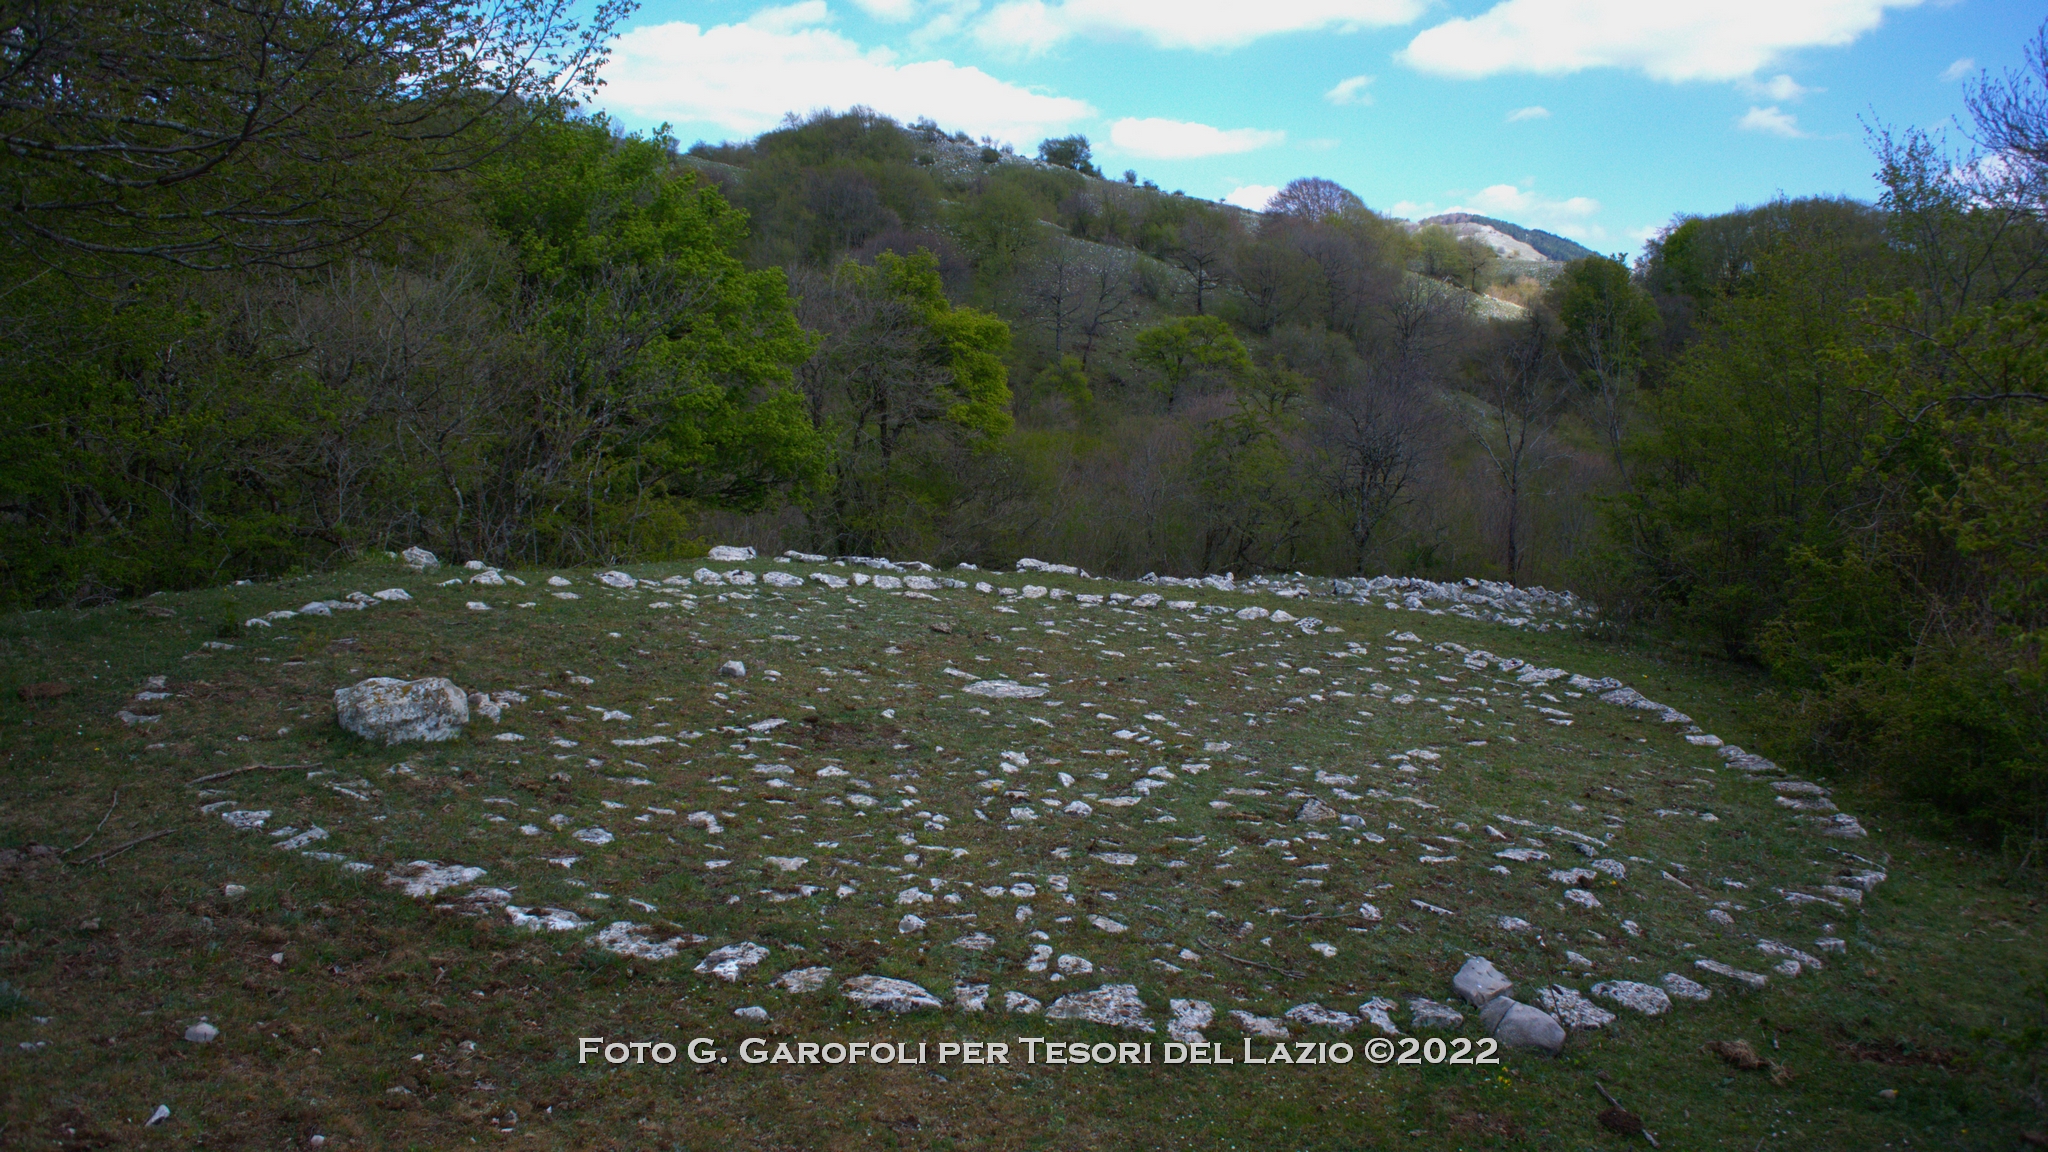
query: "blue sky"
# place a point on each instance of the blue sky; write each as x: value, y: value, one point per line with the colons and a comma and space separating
x: 1596, y: 119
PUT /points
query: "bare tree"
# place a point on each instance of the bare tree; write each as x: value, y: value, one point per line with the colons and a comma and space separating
x: 1312, y: 198
x: 1201, y: 248
x: 1518, y: 401
x: 1372, y: 437
x: 1108, y: 297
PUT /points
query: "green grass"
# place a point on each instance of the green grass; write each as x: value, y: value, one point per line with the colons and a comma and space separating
x: 476, y: 1021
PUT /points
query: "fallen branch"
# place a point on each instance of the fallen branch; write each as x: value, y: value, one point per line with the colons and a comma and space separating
x: 1290, y: 974
x: 95, y: 828
x: 212, y: 776
x: 116, y: 850
x: 1609, y: 1097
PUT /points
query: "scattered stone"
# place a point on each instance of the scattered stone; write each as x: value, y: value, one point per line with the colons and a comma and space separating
x: 1572, y: 1009
x: 1377, y: 1013
x: 730, y: 554
x: 801, y: 980
x: 1114, y: 1004
x: 419, y: 558
x: 1107, y: 925
x: 1644, y: 998
x: 1682, y: 988
x: 753, y: 1013
x: 1020, y: 1004
x: 1426, y: 1013
x: 1753, y: 980
x: 544, y: 919
x: 733, y: 669
x: 1262, y: 1027
x: 625, y: 938
x: 1314, y: 811
x: 1787, y: 952
x: 1189, y: 1018
x: 732, y: 961
x: 910, y: 923
x: 1479, y: 981
x: 1317, y: 1016
x: 1513, y: 924
x: 1004, y: 690
x: 888, y: 994
x: 423, y: 879
x: 397, y: 711
x: 975, y: 942
x: 202, y: 1033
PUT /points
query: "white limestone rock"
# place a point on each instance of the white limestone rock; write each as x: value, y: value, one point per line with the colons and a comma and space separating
x: 393, y: 711
x: 419, y: 558
x: 1644, y: 998
x: 802, y: 980
x: 1378, y: 1012
x: 732, y: 961
x: 1317, y: 1016
x: 1004, y: 690
x: 1572, y: 1009
x: 1189, y: 1018
x: 1426, y: 1013
x: 423, y: 879
x: 1479, y: 982
x: 730, y: 554
x: 1020, y: 1004
x: 888, y: 994
x: 1682, y: 988
x: 544, y: 919
x: 638, y: 941
x: 1753, y: 980
x: 1262, y: 1027
x: 971, y: 997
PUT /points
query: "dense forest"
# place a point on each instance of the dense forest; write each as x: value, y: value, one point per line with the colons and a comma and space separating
x: 363, y: 276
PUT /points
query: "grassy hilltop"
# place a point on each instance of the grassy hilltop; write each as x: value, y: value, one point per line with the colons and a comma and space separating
x: 1200, y: 805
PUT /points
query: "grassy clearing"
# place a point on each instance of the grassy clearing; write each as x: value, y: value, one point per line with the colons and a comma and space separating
x: 352, y: 1011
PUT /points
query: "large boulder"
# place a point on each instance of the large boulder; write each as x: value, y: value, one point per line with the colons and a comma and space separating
x: 394, y: 711
x: 1518, y: 1025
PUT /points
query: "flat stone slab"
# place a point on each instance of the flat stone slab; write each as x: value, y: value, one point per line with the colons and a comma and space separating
x: 1647, y: 999
x: 1004, y: 690
x: 1114, y: 1004
x: 1572, y: 1009
x: 888, y: 993
x: 1426, y: 1013
x: 1479, y: 981
x: 732, y: 961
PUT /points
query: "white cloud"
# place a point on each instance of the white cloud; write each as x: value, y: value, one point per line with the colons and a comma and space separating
x: 1156, y: 139
x: 1572, y: 216
x: 744, y: 77
x: 1772, y: 121
x: 893, y: 11
x: 1965, y: 67
x: 1672, y: 40
x: 1779, y: 88
x: 1252, y: 196
x: 1532, y: 112
x: 1034, y: 25
x: 1352, y: 91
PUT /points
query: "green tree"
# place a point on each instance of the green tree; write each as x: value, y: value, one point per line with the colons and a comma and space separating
x: 908, y: 387
x: 1178, y: 349
x: 269, y: 132
x: 1069, y: 152
x: 1608, y: 323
